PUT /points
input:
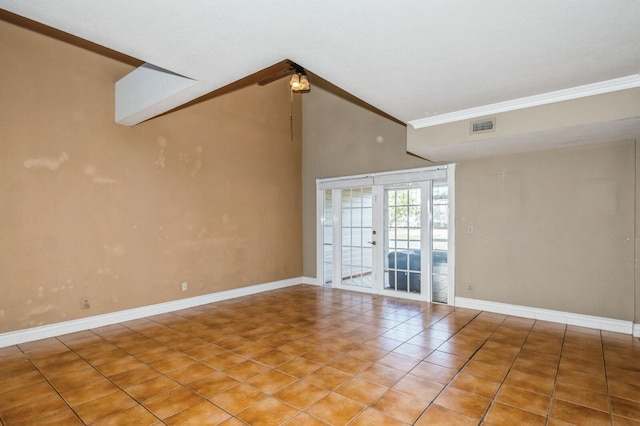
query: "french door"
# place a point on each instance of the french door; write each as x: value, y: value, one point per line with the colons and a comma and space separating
x: 388, y: 233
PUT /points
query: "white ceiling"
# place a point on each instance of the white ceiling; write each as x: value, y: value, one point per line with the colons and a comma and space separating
x: 411, y: 59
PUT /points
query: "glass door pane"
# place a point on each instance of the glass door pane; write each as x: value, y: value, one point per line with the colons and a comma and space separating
x: 327, y: 237
x: 440, y: 242
x: 403, y: 234
x: 356, y: 227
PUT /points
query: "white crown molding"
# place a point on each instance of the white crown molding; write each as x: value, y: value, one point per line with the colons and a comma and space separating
x: 589, y: 321
x: 622, y: 83
x: 58, y: 329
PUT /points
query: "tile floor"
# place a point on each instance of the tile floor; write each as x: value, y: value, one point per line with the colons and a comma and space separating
x: 309, y: 355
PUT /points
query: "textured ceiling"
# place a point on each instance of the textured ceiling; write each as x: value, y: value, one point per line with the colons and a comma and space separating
x: 411, y: 59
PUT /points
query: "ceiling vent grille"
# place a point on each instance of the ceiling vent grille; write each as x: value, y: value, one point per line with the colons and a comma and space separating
x: 485, y: 125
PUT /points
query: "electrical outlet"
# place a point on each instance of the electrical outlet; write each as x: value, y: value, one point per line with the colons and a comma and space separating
x: 469, y: 287
x: 185, y: 285
x: 84, y: 303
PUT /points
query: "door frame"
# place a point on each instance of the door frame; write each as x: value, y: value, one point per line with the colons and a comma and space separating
x: 378, y: 179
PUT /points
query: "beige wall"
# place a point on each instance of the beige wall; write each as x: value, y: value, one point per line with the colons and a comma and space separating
x: 209, y: 194
x: 549, y: 229
x: 341, y: 139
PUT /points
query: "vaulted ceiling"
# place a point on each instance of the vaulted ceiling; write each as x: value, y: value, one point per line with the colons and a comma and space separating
x: 416, y: 60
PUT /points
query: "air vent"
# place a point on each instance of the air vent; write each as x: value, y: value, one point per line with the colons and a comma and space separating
x: 483, y: 126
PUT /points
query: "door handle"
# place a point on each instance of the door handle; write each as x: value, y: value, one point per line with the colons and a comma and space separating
x: 373, y: 243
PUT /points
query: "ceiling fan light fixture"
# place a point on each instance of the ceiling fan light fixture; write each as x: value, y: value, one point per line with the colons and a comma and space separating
x: 295, y: 82
x: 304, y: 83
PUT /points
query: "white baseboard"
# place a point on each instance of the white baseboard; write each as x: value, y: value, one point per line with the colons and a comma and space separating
x: 310, y: 281
x: 600, y: 323
x: 58, y: 329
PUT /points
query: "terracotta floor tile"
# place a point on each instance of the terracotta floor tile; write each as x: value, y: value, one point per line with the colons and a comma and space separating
x: 463, y: 402
x: 624, y: 390
x: 625, y: 408
x: 413, y: 351
x: 304, y: 419
x: 335, y: 354
x: 273, y: 358
x: 586, y: 356
x: 335, y: 409
x: 152, y: 388
x: 500, y: 414
x: 13, y: 365
x: 156, y: 354
x: 301, y: 394
x: 31, y: 412
x: 64, y: 417
x: 327, y: 377
x: 418, y: 387
x: 204, y: 413
x: 299, y: 367
x: 172, y: 362
x: 59, y: 359
x: 400, y: 406
x: 581, y: 396
x: 39, y: 344
x: 89, y: 392
x: 25, y: 395
x: 224, y: 360
x: 104, y: 406
x: 252, y: 349
x: 534, y: 367
x: 462, y: 350
x: 172, y: 402
x: 501, y: 349
x: 567, y: 363
x: 476, y: 385
x: 624, y: 375
x: 398, y: 362
x: 530, y: 382
x: 104, y: 357
x: 120, y: 365
x: 20, y: 380
x: 349, y: 364
x: 385, y: 376
x: 524, y: 399
x: 246, y: 370
x: 238, y: 398
x: 368, y: 353
x: 135, y: 376
x: 76, y: 379
x: 296, y: 347
x: 552, y: 360
x: 361, y: 391
x: 136, y: 415
x: 203, y: 352
x: 623, y: 421
x: 577, y: 414
x: 371, y: 416
x: 271, y: 381
x: 437, y: 415
x: 434, y: 372
x: 486, y: 371
x: 322, y: 355
x: 446, y: 360
x: 212, y: 384
x: 268, y: 412
x: 585, y: 380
